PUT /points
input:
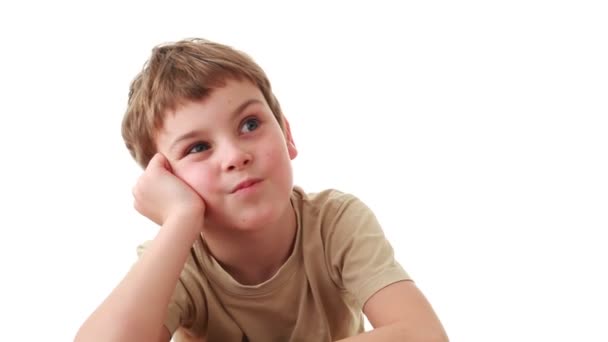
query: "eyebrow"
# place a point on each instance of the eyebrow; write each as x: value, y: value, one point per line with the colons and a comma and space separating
x: 191, y: 134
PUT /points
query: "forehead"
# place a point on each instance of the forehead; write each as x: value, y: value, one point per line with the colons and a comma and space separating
x: 218, y: 106
x: 218, y: 102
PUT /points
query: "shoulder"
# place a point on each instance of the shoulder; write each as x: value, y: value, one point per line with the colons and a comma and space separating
x: 345, y: 231
x: 335, y: 217
x: 331, y: 203
x: 327, y: 201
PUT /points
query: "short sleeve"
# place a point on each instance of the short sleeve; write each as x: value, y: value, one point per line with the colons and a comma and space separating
x: 361, y: 260
x: 187, y: 307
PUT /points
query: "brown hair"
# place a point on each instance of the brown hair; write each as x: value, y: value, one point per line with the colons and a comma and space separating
x: 187, y: 70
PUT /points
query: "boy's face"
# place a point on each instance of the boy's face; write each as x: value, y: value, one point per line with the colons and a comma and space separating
x: 231, y: 150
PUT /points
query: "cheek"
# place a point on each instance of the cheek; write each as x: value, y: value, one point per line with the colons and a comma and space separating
x: 273, y: 156
x: 277, y: 159
x: 197, y: 177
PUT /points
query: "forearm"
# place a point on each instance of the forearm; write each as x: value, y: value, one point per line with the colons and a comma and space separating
x: 136, y: 308
x: 397, y: 332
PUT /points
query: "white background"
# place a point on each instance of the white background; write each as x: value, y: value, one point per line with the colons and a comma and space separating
x: 476, y: 130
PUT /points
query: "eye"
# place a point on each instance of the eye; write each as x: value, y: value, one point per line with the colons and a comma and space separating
x: 198, y: 147
x: 251, y: 124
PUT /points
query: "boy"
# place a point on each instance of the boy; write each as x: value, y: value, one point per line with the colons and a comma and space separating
x: 242, y: 254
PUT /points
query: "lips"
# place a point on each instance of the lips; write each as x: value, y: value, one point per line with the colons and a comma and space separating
x: 245, y: 184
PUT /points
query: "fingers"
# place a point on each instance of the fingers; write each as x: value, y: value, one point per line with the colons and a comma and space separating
x: 160, y: 161
x: 157, y: 160
x: 159, y: 193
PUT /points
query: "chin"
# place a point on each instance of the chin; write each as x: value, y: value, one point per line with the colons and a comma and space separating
x: 252, y: 219
x: 256, y: 219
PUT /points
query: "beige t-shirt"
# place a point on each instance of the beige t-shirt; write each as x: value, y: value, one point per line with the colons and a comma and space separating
x: 339, y: 260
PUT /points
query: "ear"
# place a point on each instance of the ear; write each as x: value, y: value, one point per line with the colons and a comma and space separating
x: 291, y: 145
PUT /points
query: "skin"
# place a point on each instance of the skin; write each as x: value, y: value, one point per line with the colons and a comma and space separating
x: 205, y: 150
x: 215, y: 144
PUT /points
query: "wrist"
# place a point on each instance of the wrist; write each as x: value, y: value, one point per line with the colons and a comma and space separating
x: 190, y: 219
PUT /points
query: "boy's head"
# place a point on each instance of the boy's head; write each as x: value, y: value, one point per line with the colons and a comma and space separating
x: 178, y: 73
x: 210, y: 111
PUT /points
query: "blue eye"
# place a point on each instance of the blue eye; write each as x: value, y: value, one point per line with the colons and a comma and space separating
x: 249, y: 125
x: 198, y: 147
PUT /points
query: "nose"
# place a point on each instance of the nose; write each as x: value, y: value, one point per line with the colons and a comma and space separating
x: 235, y: 157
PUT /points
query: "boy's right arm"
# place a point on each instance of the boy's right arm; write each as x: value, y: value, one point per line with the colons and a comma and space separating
x: 136, y: 309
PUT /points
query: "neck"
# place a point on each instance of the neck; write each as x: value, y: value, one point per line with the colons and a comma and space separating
x: 254, y: 256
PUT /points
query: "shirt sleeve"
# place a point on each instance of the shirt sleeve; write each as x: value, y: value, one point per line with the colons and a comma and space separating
x: 187, y: 304
x: 360, y: 258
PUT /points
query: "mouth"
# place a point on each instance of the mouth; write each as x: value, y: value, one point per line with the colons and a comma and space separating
x: 246, y: 184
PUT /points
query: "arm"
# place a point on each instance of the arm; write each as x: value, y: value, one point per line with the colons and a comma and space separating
x: 137, y: 308
x: 140, y: 301
x: 400, y: 312
x: 367, y: 268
